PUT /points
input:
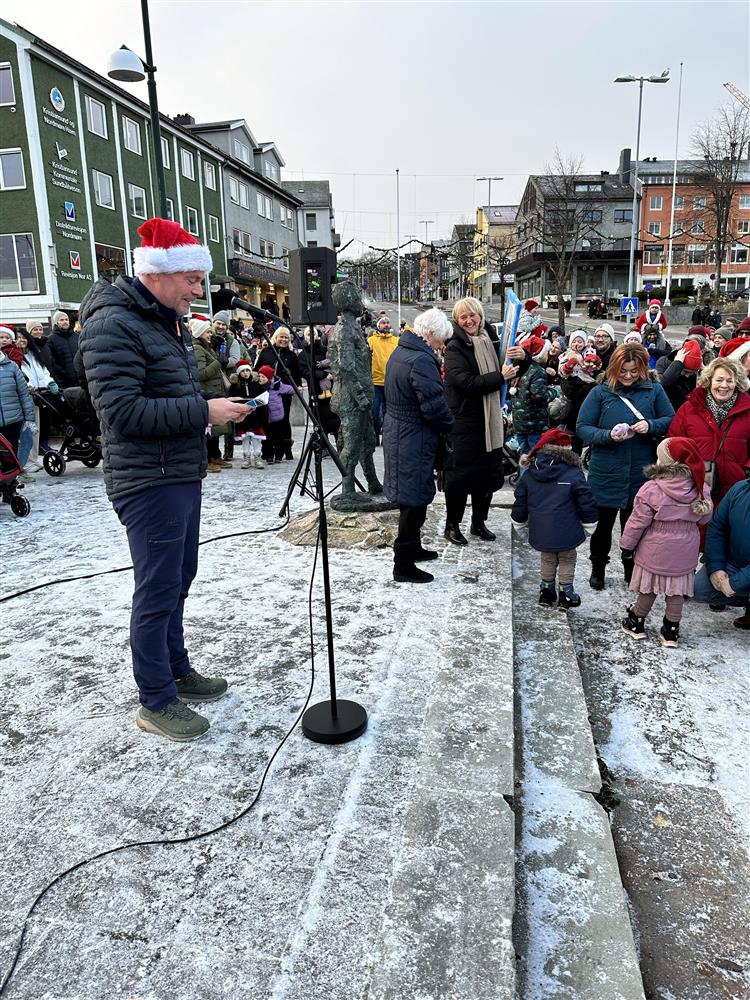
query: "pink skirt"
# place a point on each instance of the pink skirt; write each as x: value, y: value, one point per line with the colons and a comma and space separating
x: 644, y: 582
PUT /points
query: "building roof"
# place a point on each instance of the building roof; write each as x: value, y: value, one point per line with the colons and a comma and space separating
x: 500, y: 215
x: 612, y: 185
x: 685, y: 168
x: 310, y: 192
x: 463, y: 229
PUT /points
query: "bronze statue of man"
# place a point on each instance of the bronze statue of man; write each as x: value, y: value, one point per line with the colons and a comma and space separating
x: 351, y: 368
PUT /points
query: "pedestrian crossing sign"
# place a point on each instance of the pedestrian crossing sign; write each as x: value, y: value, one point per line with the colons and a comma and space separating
x: 629, y: 306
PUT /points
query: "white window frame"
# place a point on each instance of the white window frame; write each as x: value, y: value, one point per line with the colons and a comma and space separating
x: 234, y: 190
x: 8, y: 104
x: 133, y: 193
x: 269, y: 207
x: 259, y: 203
x: 95, y: 175
x: 654, y: 228
x: 239, y: 148
x: 90, y: 101
x: 743, y: 226
x: 166, y: 157
x: 692, y: 247
x: 188, y: 217
x: 244, y: 196
x: 285, y: 257
x: 14, y: 187
x: 739, y: 248
x: 699, y: 201
x: 126, y: 134
x: 213, y: 229
x: 186, y: 157
x: 241, y: 247
x: 679, y: 203
x: 170, y: 209
x: 655, y: 252
x: 314, y: 227
x: 209, y: 171
x: 744, y: 202
x: 698, y: 228
x: 19, y: 290
x: 656, y: 202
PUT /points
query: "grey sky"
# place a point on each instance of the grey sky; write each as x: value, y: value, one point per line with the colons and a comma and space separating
x: 452, y: 89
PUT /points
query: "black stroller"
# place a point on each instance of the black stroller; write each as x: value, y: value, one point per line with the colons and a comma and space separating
x: 71, y: 411
x: 510, y: 453
x: 10, y: 470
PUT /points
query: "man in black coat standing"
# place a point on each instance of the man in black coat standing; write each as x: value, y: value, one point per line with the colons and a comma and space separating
x: 143, y: 379
x: 62, y: 346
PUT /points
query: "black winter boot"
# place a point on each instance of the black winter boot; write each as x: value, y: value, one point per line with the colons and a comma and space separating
x: 425, y: 555
x: 669, y: 633
x: 547, y: 592
x: 409, y: 573
x: 453, y: 534
x: 483, y: 532
x: 634, y: 625
x: 567, y: 597
x: 596, y: 580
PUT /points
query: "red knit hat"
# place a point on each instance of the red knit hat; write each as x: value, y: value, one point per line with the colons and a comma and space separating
x: 530, y: 304
x: 268, y: 371
x: 554, y: 436
x: 681, y: 449
x: 536, y: 346
x: 731, y: 346
x: 167, y: 248
x: 744, y: 326
x: 693, y: 356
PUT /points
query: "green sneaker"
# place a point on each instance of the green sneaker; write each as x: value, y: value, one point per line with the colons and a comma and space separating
x: 174, y: 721
x: 195, y: 687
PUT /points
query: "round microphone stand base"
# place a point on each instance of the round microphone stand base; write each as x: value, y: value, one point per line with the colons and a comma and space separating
x: 320, y: 725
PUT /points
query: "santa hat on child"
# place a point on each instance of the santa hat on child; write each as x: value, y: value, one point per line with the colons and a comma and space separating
x: 693, y: 356
x: 268, y: 371
x: 243, y: 363
x: 167, y: 248
x: 735, y: 349
x: 537, y: 348
x: 655, y: 302
x: 683, y: 450
x: 530, y: 304
x: 554, y: 436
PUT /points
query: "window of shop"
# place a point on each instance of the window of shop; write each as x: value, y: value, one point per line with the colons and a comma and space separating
x: 17, y: 264
x: 110, y: 261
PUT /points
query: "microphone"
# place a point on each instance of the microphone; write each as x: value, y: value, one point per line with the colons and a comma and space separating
x: 225, y: 298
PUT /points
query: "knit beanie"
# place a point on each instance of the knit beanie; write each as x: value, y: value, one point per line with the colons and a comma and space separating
x: 744, y: 327
x: 608, y: 329
x: 530, y: 304
x: 697, y: 333
x: 198, y: 327
x: 633, y: 337
x: 268, y: 371
x: 693, y: 355
x: 579, y: 335
x: 725, y: 332
x: 57, y: 314
x: 222, y: 316
x: 683, y: 450
x: 32, y: 324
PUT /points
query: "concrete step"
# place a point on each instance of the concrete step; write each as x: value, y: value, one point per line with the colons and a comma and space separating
x: 573, y: 929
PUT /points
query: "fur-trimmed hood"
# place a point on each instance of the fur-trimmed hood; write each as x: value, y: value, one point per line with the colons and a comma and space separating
x: 677, y: 482
x: 553, y: 451
x: 657, y: 471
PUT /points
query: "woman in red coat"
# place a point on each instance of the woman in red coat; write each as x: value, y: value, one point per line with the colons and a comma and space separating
x: 716, y: 416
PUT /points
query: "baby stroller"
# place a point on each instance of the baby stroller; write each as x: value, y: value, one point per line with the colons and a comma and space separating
x: 10, y: 470
x: 70, y: 410
x: 510, y: 451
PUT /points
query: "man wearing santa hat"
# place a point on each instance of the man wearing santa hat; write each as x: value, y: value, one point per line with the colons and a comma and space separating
x: 143, y: 380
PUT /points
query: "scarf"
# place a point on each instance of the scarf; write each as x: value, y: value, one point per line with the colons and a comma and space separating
x: 484, y: 352
x: 720, y: 410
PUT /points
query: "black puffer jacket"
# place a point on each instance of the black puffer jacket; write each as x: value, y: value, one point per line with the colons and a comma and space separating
x: 143, y: 381
x: 62, y: 346
x: 469, y: 467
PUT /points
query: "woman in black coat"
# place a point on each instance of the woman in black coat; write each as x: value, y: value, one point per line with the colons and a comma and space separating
x: 473, y: 379
x: 282, y: 341
x: 415, y: 416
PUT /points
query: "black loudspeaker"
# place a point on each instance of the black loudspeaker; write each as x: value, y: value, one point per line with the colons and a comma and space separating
x: 312, y: 272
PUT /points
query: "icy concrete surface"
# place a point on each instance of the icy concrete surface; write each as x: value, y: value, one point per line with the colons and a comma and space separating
x: 379, y: 868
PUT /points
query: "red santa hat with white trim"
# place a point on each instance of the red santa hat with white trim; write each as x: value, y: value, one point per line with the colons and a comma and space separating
x: 167, y: 248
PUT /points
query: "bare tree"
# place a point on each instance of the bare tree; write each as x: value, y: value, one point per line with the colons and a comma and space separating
x: 561, y: 220
x: 720, y: 144
x: 501, y: 251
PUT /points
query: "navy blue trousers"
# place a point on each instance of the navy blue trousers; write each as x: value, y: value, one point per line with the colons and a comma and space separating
x: 162, y: 523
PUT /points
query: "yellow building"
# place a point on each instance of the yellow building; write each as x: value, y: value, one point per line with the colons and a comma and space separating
x: 496, y: 223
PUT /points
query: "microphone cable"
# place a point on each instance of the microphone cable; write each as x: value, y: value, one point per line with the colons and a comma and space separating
x: 161, y: 842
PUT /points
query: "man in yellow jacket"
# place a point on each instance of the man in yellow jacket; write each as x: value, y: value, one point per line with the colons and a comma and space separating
x: 382, y: 344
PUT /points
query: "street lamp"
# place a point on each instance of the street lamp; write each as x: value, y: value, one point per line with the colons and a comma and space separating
x: 126, y: 67
x: 640, y: 80
x: 488, y: 277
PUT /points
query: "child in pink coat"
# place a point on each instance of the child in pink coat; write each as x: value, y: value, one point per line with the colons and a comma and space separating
x: 662, y: 535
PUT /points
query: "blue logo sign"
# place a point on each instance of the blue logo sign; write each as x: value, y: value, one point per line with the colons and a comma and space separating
x: 57, y: 100
x: 649, y: 286
x: 70, y: 211
x: 629, y: 306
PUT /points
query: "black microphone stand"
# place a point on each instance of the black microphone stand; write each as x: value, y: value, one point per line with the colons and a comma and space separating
x: 336, y: 720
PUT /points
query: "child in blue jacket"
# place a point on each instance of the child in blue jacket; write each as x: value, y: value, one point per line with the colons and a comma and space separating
x: 556, y: 502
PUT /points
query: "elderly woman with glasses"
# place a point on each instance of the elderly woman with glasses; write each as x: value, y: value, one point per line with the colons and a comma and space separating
x: 416, y: 414
x: 473, y: 380
x: 282, y: 341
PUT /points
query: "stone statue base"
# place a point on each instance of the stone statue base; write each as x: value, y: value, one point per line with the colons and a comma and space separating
x: 346, y: 530
x: 362, y: 502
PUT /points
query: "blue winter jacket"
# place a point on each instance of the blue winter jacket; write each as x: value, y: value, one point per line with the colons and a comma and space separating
x: 728, y: 537
x: 415, y: 413
x: 555, y: 499
x: 15, y: 399
x: 616, y: 467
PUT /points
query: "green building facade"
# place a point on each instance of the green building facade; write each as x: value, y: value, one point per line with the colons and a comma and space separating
x: 78, y: 177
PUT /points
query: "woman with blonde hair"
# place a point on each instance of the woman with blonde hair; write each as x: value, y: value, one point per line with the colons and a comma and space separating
x: 716, y: 417
x: 473, y: 380
x: 622, y: 419
x: 282, y: 341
